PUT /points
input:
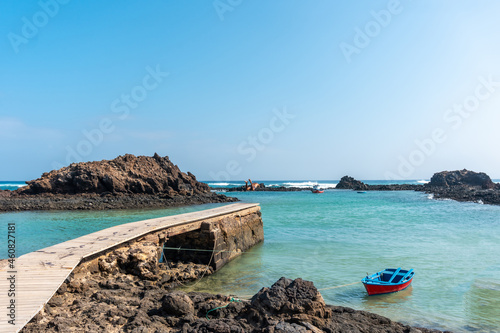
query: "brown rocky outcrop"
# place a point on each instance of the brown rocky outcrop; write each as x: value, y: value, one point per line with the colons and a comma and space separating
x: 125, y: 304
x: 125, y: 182
x: 125, y: 174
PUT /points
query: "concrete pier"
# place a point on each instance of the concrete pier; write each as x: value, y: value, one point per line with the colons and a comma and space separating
x: 226, y: 230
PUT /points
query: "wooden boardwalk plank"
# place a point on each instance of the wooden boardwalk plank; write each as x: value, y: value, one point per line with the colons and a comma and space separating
x: 39, y: 274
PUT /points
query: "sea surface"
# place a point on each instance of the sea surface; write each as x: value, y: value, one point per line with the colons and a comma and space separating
x: 324, y: 184
x: 335, y: 239
x: 11, y: 185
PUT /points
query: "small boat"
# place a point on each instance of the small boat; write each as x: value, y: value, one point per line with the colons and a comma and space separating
x: 390, y: 280
x: 361, y: 191
x: 316, y: 189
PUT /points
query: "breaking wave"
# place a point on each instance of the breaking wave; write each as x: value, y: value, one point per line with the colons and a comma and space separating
x: 309, y: 184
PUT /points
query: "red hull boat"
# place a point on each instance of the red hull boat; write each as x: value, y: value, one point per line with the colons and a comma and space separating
x: 390, y: 280
x: 316, y: 189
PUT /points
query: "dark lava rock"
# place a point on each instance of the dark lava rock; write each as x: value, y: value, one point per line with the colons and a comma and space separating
x: 287, y: 306
x: 177, y: 303
x: 263, y: 188
x: 126, y: 182
x: 464, y: 185
x: 349, y: 183
x: 126, y: 174
x: 396, y: 187
x: 460, y: 185
x: 290, y: 297
x: 461, y: 178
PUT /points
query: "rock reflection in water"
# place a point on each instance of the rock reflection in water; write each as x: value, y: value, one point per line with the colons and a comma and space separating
x: 482, y: 305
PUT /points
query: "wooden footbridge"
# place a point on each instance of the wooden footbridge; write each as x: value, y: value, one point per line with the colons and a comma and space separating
x: 38, y: 275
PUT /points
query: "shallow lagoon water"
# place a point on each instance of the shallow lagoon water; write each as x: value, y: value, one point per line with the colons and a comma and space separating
x: 39, y: 229
x: 334, y: 239
x: 337, y: 237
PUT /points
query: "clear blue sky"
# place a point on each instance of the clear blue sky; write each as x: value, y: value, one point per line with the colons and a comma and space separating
x: 356, y: 84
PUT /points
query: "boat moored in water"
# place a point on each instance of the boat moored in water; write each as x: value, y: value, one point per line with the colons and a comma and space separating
x: 316, y: 189
x: 389, y: 280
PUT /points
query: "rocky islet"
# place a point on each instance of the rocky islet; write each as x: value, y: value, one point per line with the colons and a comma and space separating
x: 125, y: 182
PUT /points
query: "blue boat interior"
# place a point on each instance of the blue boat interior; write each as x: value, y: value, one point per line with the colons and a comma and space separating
x: 390, y: 276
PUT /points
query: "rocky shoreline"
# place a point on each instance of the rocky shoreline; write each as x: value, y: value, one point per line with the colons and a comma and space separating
x: 464, y: 185
x: 459, y: 185
x: 126, y: 182
x: 127, y: 290
x: 105, y: 202
x: 263, y: 188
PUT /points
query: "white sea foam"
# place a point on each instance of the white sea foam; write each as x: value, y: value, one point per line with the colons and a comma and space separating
x: 327, y: 185
x: 430, y: 196
x: 222, y: 184
x: 300, y: 184
x: 309, y: 184
x: 422, y: 181
x: 12, y: 185
x: 480, y: 202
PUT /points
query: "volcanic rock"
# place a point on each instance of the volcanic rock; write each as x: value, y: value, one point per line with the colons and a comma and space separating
x: 349, y: 183
x: 177, y: 303
x: 126, y: 182
x: 287, y: 306
x: 128, y: 290
x: 126, y: 174
x: 464, y: 185
x: 461, y: 178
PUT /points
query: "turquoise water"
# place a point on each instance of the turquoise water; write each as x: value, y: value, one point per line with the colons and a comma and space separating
x: 334, y: 239
x: 11, y: 185
x: 337, y: 237
x: 37, y: 230
x: 307, y: 183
